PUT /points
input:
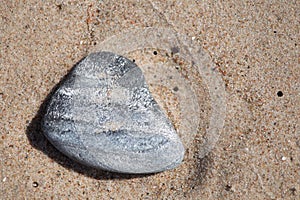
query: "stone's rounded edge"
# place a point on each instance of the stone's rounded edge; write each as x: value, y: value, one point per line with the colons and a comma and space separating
x: 167, y: 158
x: 51, y: 124
x: 170, y: 156
x: 104, y: 156
x: 105, y: 62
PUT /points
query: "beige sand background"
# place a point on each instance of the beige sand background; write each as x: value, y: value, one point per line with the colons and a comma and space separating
x: 253, y: 44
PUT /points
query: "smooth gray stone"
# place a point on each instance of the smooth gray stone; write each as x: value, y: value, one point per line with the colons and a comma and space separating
x: 104, y: 116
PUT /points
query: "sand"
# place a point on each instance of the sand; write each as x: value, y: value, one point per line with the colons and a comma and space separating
x: 252, y: 48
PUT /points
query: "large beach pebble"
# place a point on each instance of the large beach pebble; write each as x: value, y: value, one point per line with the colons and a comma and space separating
x: 104, y: 116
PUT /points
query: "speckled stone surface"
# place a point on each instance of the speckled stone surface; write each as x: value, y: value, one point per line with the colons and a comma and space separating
x: 254, y: 46
x: 104, y: 116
